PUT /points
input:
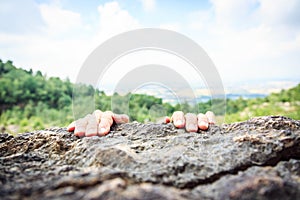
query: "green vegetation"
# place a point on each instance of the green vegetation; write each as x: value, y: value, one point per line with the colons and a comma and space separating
x: 286, y: 103
x: 33, y: 101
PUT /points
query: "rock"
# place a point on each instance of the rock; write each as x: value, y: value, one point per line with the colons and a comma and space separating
x: 256, y: 159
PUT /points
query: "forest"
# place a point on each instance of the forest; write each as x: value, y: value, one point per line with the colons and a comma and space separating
x: 31, y: 100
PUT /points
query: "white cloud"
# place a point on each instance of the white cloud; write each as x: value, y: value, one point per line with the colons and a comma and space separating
x: 114, y: 20
x: 246, y: 42
x: 245, y: 39
x: 171, y: 26
x: 148, y: 5
x: 65, y: 41
x: 59, y: 20
x: 280, y: 12
x: 201, y: 19
x: 58, y: 49
x: 233, y: 13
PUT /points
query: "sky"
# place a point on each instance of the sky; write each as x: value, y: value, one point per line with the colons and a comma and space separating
x: 254, y: 42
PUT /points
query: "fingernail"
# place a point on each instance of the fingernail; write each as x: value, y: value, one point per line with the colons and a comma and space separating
x: 102, y: 130
x: 167, y: 120
x: 203, y: 125
x: 178, y: 123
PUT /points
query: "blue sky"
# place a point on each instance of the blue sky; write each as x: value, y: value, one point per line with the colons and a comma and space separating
x: 248, y: 40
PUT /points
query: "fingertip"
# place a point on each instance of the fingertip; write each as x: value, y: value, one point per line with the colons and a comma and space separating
x: 103, y: 131
x: 203, y: 125
x: 80, y: 126
x: 120, y: 118
x: 71, y: 127
x: 105, y: 124
x: 211, y: 117
x: 178, y: 119
x: 167, y: 120
x: 92, y: 126
x: 191, y: 122
x: 191, y: 128
x: 179, y: 123
x: 91, y: 131
x: 125, y: 118
x: 202, y: 122
x: 97, y: 114
x: 107, y: 116
x: 79, y: 134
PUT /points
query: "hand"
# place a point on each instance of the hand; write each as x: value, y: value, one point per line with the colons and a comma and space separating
x: 97, y: 123
x: 191, y: 121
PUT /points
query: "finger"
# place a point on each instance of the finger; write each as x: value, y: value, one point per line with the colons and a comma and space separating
x: 105, y: 123
x: 80, y: 126
x: 98, y: 114
x: 178, y: 119
x: 202, y: 122
x: 92, y: 126
x: 191, y: 123
x: 71, y: 127
x: 211, y: 117
x: 120, y: 119
x: 167, y: 120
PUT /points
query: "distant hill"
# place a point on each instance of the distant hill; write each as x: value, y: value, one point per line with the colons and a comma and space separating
x: 286, y: 103
x: 245, y: 96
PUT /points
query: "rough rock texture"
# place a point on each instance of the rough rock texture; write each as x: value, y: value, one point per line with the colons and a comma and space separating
x: 256, y: 159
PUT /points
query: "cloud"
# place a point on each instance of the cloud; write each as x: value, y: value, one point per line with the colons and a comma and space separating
x: 59, y: 20
x: 54, y: 49
x: 244, y: 38
x: 255, y: 12
x: 171, y: 26
x: 63, y: 41
x: 114, y: 20
x: 148, y: 5
x: 200, y: 20
x: 233, y: 13
x: 280, y: 12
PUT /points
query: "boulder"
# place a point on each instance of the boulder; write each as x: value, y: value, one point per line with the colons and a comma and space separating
x: 255, y: 159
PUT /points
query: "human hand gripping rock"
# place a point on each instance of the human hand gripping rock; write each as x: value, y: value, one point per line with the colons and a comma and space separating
x: 191, y: 121
x: 99, y: 123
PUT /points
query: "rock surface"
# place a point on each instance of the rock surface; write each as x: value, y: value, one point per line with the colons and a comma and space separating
x: 256, y: 159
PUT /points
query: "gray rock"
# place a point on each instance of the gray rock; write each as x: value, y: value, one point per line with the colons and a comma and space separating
x: 256, y: 159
